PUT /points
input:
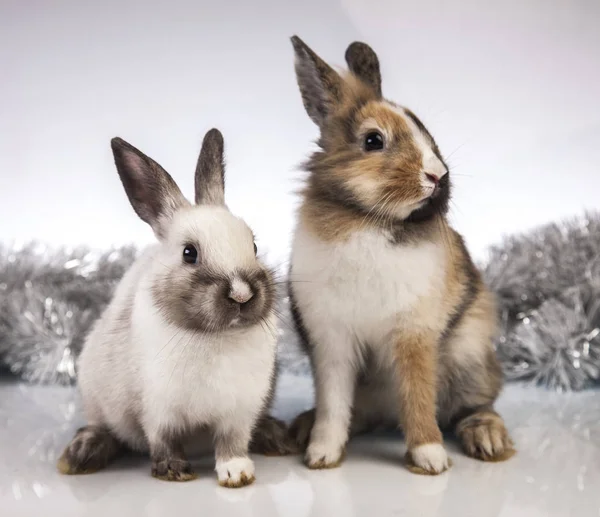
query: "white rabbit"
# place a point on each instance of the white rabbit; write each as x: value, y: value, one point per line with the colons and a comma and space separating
x: 188, y: 341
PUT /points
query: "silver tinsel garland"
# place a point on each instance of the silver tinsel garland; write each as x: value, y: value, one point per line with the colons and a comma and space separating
x: 548, y: 285
x: 48, y: 301
x: 547, y: 282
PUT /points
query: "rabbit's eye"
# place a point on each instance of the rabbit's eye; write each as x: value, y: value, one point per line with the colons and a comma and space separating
x: 255, y: 249
x: 373, y: 141
x: 190, y: 254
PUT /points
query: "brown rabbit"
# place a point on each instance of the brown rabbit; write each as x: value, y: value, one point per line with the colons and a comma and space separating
x: 395, y: 317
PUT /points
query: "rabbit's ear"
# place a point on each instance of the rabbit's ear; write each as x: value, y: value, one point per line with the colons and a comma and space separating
x: 364, y: 64
x: 152, y: 192
x: 210, y: 170
x: 320, y: 85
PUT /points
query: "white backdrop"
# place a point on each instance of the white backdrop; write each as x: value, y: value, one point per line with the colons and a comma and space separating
x: 509, y: 89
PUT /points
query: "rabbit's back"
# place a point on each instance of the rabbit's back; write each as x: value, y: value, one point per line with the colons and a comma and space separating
x: 108, y: 369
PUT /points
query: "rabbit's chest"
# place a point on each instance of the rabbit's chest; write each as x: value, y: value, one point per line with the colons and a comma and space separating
x: 199, y: 379
x: 365, y: 283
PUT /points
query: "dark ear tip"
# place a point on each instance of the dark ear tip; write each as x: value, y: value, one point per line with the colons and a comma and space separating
x: 117, y: 143
x: 299, y: 45
x: 356, y: 48
x: 213, y: 137
x: 353, y: 47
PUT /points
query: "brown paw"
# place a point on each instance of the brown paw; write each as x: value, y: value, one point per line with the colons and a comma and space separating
x: 483, y: 436
x: 301, y: 428
x: 271, y: 438
x: 173, y: 470
x: 91, y: 449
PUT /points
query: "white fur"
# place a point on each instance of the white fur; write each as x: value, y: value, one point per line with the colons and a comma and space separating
x: 194, y: 380
x: 225, y: 240
x: 230, y: 471
x: 355, y: 295
x: 431, y: 163
x: 325, y: 452
x: 142, y: 376
x: 431, y: 457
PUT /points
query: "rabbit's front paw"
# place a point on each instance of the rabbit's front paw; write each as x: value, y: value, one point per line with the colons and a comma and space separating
x: 236, y: 472
x: 429, y: 458
x: 323, y: 455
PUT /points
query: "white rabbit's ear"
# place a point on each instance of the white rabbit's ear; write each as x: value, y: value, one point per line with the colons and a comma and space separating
x: 320, y: 85
x: 152, y: 192
x: 364, y: 64
x: 210, y: 170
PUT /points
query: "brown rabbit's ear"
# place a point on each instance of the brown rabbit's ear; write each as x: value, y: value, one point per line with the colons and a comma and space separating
x: 320, y: 85
x: 152, y: 192
x: 363, y: 63
x: 210, y: 170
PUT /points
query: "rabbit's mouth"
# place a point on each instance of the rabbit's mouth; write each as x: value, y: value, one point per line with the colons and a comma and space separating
x: 434, y: 204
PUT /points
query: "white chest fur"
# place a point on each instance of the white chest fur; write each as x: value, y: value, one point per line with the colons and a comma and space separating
x: 363, y: 286
x: 199, y: 379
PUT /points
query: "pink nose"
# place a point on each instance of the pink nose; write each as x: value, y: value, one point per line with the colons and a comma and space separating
x: 240, y: 291
x: 240, y: 298
x: 433, y: 178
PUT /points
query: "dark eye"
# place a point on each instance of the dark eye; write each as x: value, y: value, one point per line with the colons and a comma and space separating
x: 373, y: 141
x: 190, y: 254
x: 255, y: 249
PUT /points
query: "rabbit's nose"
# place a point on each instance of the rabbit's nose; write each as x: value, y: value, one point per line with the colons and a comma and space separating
x: 240, y: 292
x: 432, y: 178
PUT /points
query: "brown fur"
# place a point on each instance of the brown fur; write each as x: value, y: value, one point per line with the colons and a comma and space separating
x: 417, y: 371
x: 345, y: 184
x: 445, y: 367
x: 484, y: 436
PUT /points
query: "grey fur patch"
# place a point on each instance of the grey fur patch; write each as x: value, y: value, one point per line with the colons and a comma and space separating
x: 168, y: 460
x: 210, y: 170
x: 197, y: 298
x: 301, y: 428
x: 320, y: 85
x: 91, y: 449
x: 363, y: 63
x: 271, y: 438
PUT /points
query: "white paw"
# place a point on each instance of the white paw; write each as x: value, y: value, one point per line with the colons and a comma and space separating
x: 430, y: 457
x: 323, y: 455
x: 236, y: 472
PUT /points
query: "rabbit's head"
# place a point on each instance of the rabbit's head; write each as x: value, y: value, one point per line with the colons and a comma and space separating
x: 376, y: 157
x: 206, y: 275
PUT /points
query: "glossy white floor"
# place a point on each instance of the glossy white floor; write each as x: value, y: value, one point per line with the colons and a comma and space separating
x: 556, y: 472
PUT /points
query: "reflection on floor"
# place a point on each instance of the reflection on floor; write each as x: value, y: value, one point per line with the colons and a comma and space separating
x: 555, y: 473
